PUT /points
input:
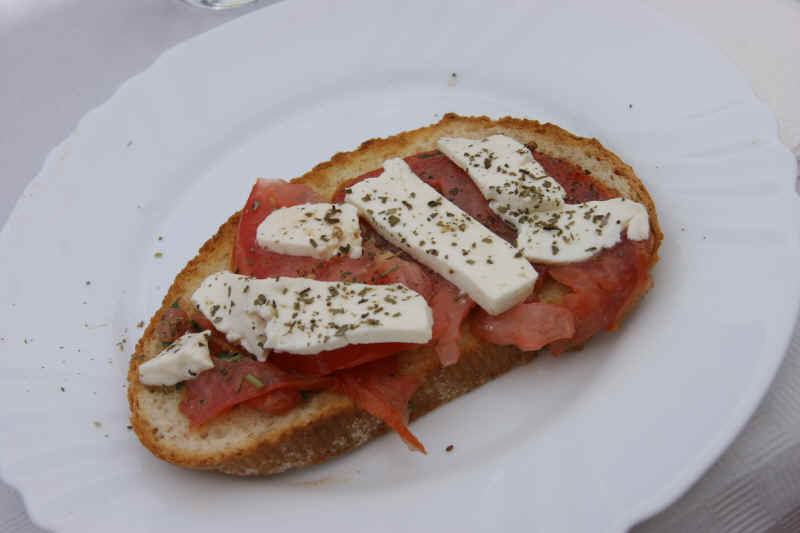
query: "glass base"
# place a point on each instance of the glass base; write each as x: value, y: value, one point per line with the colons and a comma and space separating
x: 220, y: 4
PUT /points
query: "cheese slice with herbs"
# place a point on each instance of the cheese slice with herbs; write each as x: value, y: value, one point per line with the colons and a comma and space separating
x: 413, y: 216
x: 223, y: 298
x: 519, y: 190
x: 511, y: 180
x: 305, y: 316
x: 321, y: 231
x: 184, y: 359
x: 575, y: 232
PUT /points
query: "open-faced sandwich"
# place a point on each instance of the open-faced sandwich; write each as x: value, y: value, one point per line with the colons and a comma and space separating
x: 384, y: 283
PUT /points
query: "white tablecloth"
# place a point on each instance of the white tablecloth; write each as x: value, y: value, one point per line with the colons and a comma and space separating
x: 61, y: 58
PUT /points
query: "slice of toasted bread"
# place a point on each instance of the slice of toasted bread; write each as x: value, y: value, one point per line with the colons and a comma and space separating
x: 247, y: 442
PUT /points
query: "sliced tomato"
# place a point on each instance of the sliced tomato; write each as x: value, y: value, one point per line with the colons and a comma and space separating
x: 200, y: 322
x: 541, y: 271
x: 338, y: 196
x: 236, y: 380
x: 528, y: 326
x: 345, y: 268
x: 249, y: 258
x: 439, y: 172
x: 376, y: 269
x: 174, y: 322
x: 378, y: 389
x: 450, y: 308
x: 332, y: 360
x: 393, y: 269
x: 579, y: 185
x: 407, y: 272
x: 197, y: 322
x: 276, y: 402
x: 194, y: 318
x: 604, y: 287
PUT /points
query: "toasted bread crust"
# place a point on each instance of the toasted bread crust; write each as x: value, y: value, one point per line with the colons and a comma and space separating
x: 247, y: 442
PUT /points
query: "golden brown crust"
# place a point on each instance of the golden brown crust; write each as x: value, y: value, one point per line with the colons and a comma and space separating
x: 246, y: 442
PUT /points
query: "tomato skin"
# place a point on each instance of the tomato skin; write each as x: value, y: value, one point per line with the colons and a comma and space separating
x: 174, y: 322
x: 604, y: 288
x: 380, y: 390
x: 338, y: 196
x: 439, y: 172
x: 276, y: 402
x: 236, y: 380
x: 376, y: 268
x: 450, y: 308
x: 579, y: 185
x: 329, y: 361
x: 528, y: 326
x: 249, y: 258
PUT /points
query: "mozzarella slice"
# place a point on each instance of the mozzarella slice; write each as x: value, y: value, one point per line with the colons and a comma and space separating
x: 319, y: 230
x: 306, y: 316
x: 577, y: 232
x: 511, y: 180
x: 416, y: 218
x: 520, y: 192
x: 223, y: 299
x: 183, y: 359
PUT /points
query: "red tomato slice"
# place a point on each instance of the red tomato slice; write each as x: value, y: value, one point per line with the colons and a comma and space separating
x: 174, y: 323
x: 377, y: 270
x: 604, y: 287
x: 380, y: 391
x: 449, y: 310
x: 276, y: 402
x: 439, y: 172
x: 249, y: 258
x: 338, y: 196
x: 527, y: 326
x: 332, y: 360
x: 236, y: 380
x: 579, y: 186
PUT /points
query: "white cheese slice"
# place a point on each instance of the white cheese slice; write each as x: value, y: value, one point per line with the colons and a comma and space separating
x: 319, y: 230
x: 511, y: 180
x: 577, y: 232
x: 305, y: 316
x: 520, y: 192
x: 416, y: 218
x: 223, y: 299
x: 183, y: 359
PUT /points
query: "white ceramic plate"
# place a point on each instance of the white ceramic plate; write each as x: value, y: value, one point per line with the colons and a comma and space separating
x: 594, y: 440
